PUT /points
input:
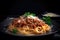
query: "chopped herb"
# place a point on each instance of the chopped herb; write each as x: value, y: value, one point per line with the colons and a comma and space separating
x: 15, y: 31
x: 47, y: 19
x: 28, y: 13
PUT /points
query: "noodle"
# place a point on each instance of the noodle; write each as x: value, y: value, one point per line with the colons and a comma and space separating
x: 29, y: 26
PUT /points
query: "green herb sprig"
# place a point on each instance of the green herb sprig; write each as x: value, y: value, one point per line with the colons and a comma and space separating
x: 47, y: 19
x: 28, y: 13
x: 15, y: 31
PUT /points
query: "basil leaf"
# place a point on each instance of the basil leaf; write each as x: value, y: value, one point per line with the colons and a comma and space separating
x: 28, y: 13
x: 15, y: 31
x: 47, y: 19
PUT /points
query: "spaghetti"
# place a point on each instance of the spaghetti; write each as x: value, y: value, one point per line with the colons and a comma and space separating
x: 29, y: 25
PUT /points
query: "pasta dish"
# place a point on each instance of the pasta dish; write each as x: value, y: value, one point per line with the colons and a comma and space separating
x: 28, y: 25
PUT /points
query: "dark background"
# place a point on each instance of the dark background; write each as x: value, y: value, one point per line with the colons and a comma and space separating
x: 13, y: 7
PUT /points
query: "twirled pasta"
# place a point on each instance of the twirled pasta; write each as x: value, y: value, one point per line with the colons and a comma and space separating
x: 29, y: 26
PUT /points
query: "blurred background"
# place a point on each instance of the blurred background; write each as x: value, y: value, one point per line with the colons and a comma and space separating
x: 13, y: 7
